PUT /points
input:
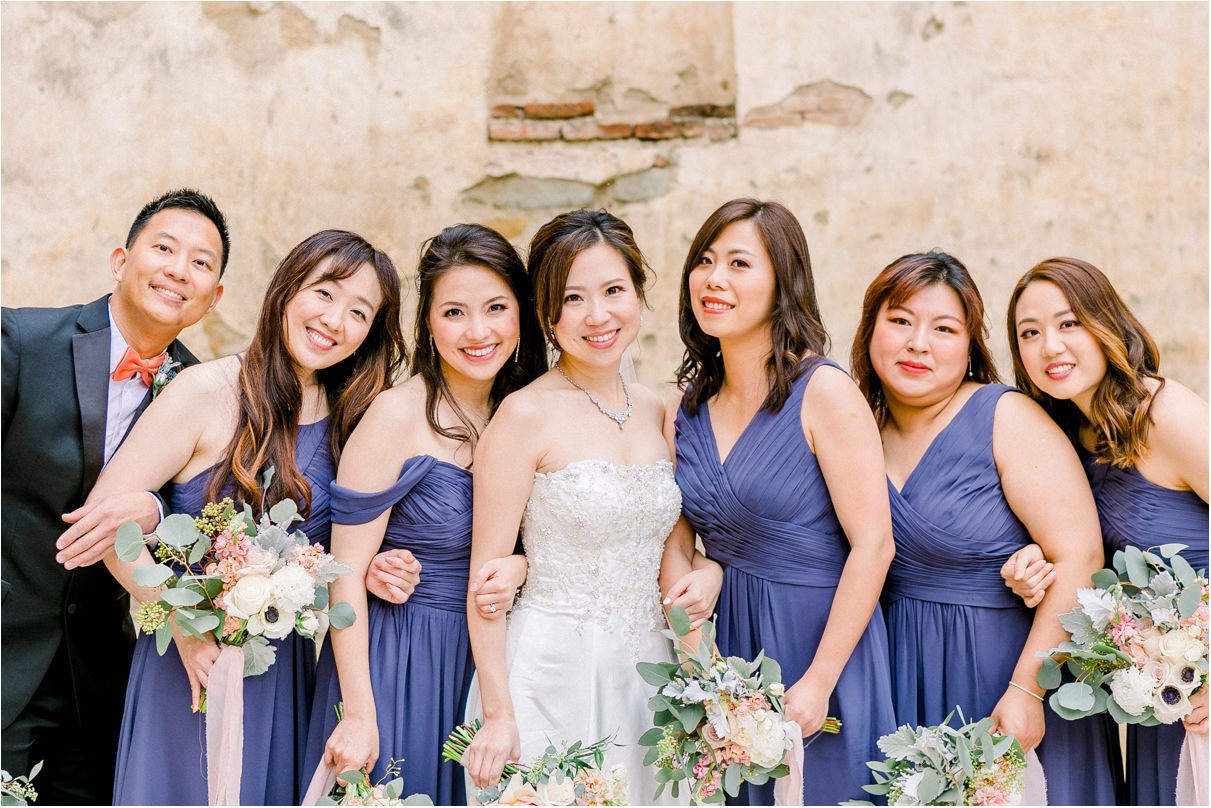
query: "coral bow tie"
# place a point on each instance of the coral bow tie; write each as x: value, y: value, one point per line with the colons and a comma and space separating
x: 130, y: 364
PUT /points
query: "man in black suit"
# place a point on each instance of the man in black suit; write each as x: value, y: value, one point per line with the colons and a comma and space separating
x: 74, y: 379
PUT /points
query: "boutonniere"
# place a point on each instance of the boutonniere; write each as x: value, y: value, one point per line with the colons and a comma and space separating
x: 166, y: 373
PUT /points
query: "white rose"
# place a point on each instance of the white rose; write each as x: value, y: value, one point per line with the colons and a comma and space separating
x: 1132, y: 690
x: 769, y: 741
x: 558, y: 790
x: 1177, y: 645
x: 293, y: 588
x: 776, y: 689
x: 308, y: 624
x: 1158, y: 670
x: 259, y: 561
x: 248, y: 596
x: 1170, y: 704
x: 740, y: 729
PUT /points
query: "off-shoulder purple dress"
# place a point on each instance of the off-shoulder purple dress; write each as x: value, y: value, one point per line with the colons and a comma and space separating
x: 765, y: 515
x: 420, y: 656
x: 1141, y: 513
x: 162, y: 747
x: 954, y: 629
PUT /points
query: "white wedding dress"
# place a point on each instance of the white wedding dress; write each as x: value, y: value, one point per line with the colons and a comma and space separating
x: 594, y: 534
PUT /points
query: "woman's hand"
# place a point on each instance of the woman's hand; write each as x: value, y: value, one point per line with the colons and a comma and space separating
x: 696, y: 592
x: 393, y: 575
x: 806, y: 703
x: 1020, y: 715
x: 1028, y: 574
x: 1196, y: 722
x: 496, y: 744
x: 198, y: 656
x: 496, y: 584
x: 352, y: 745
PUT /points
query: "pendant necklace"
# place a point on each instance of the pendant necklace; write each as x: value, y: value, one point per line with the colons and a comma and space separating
x: 619, y: 418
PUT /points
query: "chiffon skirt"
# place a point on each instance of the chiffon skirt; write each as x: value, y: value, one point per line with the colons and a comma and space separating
x: 162, y: 746
x: 787, y: 621
x: 420, y: 670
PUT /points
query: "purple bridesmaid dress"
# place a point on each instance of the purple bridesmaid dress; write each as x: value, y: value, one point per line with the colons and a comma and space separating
x: 765, y: 515
x: 947, y: 605
x: 420, y: 656
x: 1137, y: 512
x: 162, y: 747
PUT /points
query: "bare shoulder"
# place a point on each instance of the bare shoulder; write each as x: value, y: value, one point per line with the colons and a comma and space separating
x: 219, y: 377
x: 1016, y: 410
x: 831, y: 391
x: 647, y: 400
x: 526, y: 408
x: 1176, y: 408
x: 672, y: 405
x: 399, y: 406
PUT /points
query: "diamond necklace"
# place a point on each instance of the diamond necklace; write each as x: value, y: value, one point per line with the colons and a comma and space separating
x: 619, y: 418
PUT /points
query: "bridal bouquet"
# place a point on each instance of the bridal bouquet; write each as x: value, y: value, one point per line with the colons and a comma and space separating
x: 570, y: 776
x: 258, y: 581
x: 946, y: 766
x: 718, y: 720
x: 360, y: 791
x: 1138, y: 645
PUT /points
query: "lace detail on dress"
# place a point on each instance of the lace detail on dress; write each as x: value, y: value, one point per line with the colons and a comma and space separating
x: 594, y: 534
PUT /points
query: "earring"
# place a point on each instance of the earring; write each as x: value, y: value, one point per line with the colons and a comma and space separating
x: 969, y: 372
x: 517, y: 352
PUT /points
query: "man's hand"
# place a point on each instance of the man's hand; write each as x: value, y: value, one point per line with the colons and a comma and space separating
x: 94, y: 526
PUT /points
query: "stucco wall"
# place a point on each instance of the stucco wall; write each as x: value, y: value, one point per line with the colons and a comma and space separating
x: 1003, y: 133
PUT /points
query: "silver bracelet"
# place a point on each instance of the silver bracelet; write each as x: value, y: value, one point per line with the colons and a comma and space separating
x: 1025, y: 690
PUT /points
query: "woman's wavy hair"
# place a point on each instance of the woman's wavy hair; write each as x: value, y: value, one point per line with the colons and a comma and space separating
x: 270, y: 395
x: 1121, y: 410
x: 465, y: 245
x: 556, y: 245
x: 797, y: 335
x: 900, y: 280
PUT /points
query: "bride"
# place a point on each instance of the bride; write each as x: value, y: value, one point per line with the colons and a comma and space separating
x: 578, y: 461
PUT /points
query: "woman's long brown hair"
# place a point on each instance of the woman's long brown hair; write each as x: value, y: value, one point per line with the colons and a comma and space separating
x: 270, y: 394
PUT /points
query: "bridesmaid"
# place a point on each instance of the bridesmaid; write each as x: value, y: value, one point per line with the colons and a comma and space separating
x: 327, y: 341
x: 781, y: 475
x: 1080, y: 353
x: 974, y: 471
x: 404, y: 482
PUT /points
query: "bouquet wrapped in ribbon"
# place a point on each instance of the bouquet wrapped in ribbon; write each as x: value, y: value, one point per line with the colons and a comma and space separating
x: 719, y: 721
x: 1138, y: 645
x: 569, y: 776
x: 248, y: 582
x: 943, y: 765
x: 1138, y: 651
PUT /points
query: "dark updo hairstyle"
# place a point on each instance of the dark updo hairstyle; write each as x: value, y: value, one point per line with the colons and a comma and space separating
x: 466, y: 245
x: 270, y: 398
x: 900, y: 280
x: 1121, y: 410
x: 556, y: 245
x: 797, y: 335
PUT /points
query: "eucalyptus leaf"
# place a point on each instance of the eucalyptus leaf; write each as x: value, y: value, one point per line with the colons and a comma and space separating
x: 1104, y: 579
x: 200, y: 548
x: 679, y: 620
x: 267, y: 478
x: 929, y: 787
x: 129, y: 541
x: 415, y: 799
x: 651, y: 737
x: 1062, y: 711
x: 771, y: 671
x: 321, y: 598
x: 653, y: 673
x: 1137, y: 567
x: 341, y: 615
x: 1171, y: 549
x: 181, y: 597
x: 207, y: 622
x: 177, y: 530
x: 163, y: 638
x: 731, y: 780
x: 1049, y: 675
x: 1188, y: 600
x: 1182, y: 570
x: 393, y: 789
x: 284, y: 512
x: 152, y: 574
x: 1076, y: 696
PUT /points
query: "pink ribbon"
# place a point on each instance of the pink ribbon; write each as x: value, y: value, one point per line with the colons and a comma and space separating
x: 321, y: 783
x: 1034, y: 785
x: 788, y: 790
x: 1192, y: 771
x: 225, y: 727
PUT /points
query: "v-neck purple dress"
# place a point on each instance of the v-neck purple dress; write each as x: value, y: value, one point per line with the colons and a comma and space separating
x: 162, y: 747
x: 955, y: 630
x: 766, y: 516
x: 1137, y: 512
x: 420, y: 655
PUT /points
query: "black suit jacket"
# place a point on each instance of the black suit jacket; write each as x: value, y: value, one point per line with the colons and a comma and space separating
x: 55, y: 385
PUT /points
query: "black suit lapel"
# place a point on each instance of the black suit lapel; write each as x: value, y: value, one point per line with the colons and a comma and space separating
x: 90, y: 356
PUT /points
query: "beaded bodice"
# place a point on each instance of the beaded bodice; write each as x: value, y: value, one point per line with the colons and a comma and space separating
x: 594, y: 534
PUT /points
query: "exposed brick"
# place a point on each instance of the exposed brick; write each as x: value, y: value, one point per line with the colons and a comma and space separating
x: 590, y: 129
x: 506, y: 111
x: 513, y: 129
x: 822, y: 102
x: 704, y: 111
x: 664, y: 130
x: 559, y: 109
